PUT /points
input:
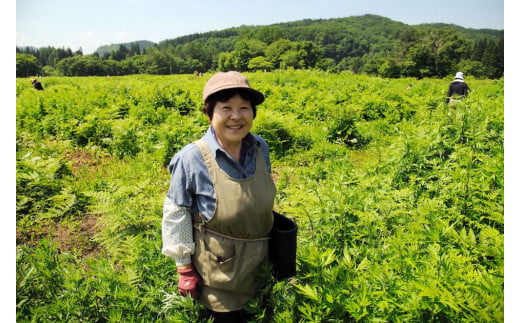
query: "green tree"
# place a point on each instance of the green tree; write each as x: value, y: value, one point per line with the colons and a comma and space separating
x: 389, y: 69
x: 134, y: 49
x: 87, y: 65
x: 26, y: 65
x: 48, y: 70
x: 420, y: 61
x: 160, y: 61
x: 372, y: 66
x: 137, y: 64
x: 275, y: 50
x: 245, y: 50
x: 449, y: 51
x: 291, y: 58
x: 190, y: 65
x: 308, y: 53
x: 478, y: 49
x: 204, y: 52
x: 259, y: 63
x: 409, y: 68
x: 326, y: 64
x: 120, y: 54
x: 344, y: 65
x: 269, y: 34
x: 493, y: 59
x: 225, y: 62
x: 430, y: 52
x: 471, y: 67
x: 48, y: 56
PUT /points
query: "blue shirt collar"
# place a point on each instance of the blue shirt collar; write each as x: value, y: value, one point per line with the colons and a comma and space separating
x: 248, y: 143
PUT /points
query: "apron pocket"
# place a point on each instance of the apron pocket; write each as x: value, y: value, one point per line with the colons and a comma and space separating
x: 217, y: 260
x: 229, y: 264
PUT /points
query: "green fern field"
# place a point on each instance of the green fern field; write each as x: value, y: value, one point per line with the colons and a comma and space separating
x: 399, y: 197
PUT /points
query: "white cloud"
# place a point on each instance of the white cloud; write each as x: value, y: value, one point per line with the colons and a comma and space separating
x: 89, y: 42
x: 22, y: 38
x: 122, y: 37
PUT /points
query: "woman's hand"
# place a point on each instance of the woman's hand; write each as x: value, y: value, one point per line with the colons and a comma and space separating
x: 188, y: 281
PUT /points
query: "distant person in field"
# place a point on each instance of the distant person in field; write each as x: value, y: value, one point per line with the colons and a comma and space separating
x: 217, y: 213
x: 37, y: 85
x: 458, y: 89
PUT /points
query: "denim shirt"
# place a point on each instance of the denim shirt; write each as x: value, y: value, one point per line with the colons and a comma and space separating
x: 191, y: 185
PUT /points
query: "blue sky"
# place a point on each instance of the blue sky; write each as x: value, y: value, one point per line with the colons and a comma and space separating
x: 90, y: 24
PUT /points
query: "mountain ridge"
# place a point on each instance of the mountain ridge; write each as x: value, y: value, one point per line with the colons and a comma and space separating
x: 309, y: 23
x: 105, y: 49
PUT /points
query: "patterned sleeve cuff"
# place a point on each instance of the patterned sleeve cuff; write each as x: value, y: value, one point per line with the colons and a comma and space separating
x: 183, y: 260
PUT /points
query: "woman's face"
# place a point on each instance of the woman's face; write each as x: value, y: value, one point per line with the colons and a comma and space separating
x: 232, y: 120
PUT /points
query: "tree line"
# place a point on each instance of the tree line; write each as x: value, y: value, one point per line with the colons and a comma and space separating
x: 366, y: 44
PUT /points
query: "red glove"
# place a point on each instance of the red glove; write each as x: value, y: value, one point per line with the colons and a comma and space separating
x: 188, y: 282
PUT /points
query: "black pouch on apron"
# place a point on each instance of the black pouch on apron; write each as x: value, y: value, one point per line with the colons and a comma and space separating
x: 282, y: 247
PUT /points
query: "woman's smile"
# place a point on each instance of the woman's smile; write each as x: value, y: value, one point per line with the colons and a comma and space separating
x: 235, y: 127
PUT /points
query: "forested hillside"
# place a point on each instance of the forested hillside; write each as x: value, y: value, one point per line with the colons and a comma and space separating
x: 125, y: 49
x: 366, y: 44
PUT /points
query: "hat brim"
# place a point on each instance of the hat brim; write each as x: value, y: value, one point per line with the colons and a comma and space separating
x: 256, y: 96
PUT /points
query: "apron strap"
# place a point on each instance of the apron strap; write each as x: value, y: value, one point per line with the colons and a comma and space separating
x: 202, y: 228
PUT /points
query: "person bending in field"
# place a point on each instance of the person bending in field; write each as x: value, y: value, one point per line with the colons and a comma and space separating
x: 37, y: 85
x: 458, y: 89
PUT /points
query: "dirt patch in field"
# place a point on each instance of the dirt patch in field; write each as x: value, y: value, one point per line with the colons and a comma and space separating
x: 84, y: 162
x: 77, y: 237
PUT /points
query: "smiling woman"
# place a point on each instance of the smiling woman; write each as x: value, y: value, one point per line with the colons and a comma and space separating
x: 218, y: 211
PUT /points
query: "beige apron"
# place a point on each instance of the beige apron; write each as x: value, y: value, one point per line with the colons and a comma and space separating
x: 231, y: 246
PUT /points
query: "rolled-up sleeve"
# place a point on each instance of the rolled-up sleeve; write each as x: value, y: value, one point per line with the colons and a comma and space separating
x: 177, y: 234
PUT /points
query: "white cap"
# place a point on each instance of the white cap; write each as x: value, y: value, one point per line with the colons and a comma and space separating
x: 459, y: 75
